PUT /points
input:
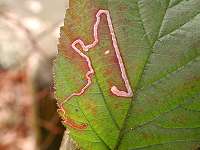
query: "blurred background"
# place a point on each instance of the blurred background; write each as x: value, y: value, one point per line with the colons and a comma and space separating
x: 29, y: 31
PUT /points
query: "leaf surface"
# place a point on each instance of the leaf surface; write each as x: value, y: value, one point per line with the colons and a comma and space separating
x: 159, y: 42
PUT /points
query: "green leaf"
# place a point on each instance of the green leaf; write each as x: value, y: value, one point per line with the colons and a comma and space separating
x: 159, y: 42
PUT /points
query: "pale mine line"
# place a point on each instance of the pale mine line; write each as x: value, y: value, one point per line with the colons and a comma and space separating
x: 86, y: 48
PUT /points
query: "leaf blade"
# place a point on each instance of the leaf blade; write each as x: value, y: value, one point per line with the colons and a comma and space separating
x: 161, y: 57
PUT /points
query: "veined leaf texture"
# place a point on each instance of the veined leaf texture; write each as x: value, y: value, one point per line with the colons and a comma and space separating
x: 127, y: 74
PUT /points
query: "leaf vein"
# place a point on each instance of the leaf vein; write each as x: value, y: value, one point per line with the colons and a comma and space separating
x: 104, y: 99
x: 146, y: 62
x: 175, y: 4
x: 192, y: 18
x: 179, y: 68
x: 93, y: 128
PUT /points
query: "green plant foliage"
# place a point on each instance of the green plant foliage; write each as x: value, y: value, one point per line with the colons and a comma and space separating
x: 159, y: 41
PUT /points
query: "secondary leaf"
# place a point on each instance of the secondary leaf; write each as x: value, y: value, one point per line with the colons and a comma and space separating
x: 159, y: 44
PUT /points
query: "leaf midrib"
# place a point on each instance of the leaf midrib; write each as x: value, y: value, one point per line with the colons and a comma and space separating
x: 121, y: 135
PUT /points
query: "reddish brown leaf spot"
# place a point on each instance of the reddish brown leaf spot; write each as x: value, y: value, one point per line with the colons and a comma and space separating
x: 77, y: 44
